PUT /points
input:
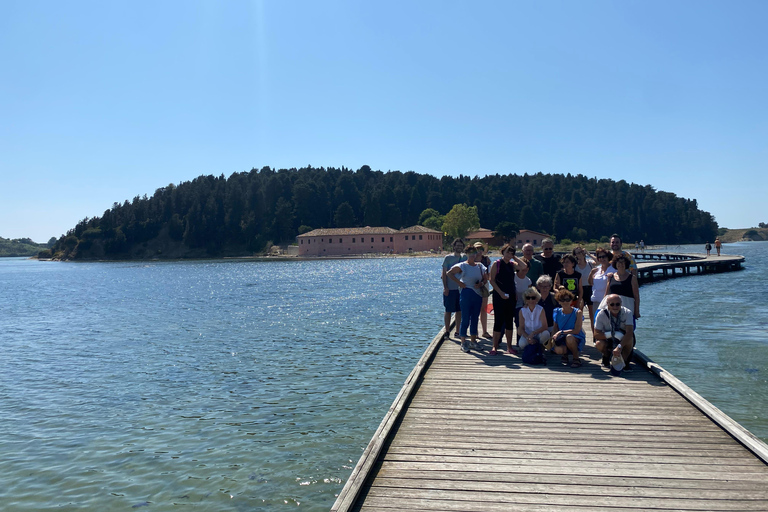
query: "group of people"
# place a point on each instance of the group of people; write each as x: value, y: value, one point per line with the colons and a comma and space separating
x: 544, y: 297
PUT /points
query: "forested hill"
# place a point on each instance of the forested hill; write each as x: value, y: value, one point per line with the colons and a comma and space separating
x: 213, y: 216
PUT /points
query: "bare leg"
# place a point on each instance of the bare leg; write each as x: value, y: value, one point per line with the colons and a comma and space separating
x: 484, y: 316
x: 496, y: 339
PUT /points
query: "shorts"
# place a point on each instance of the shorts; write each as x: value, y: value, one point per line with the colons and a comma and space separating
x: 587, y: 295
x: 451, y: 301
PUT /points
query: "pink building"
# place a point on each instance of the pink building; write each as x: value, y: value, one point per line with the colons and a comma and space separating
x: 526, y: 236
x: 349, y: 241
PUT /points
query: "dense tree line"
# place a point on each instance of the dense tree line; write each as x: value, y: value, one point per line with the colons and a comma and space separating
x: 247, y: 210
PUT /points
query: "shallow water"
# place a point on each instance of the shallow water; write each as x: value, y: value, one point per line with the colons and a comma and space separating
x: 224, y: 385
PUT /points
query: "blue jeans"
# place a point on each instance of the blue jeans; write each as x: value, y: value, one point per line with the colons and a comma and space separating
x: 471, y: 303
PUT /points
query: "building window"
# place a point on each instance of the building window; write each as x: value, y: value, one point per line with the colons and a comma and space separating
x: 420, y: 237
x: 390, y: 239
x: 371, y: 241
x: 382, y: 239
x: 353, y: 240
x: 406, y: 237
x: 302, y: 242
x: 340, y: 241
x: 330, y: 240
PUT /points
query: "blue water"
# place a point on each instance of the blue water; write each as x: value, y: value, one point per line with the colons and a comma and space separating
x: 240, y: 385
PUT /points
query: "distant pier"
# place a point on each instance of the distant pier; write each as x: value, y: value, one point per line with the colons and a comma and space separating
x: 475, y: 432
x: 655, y: 266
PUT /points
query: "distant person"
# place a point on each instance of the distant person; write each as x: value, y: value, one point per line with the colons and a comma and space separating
x: 505, y: 295
x: 533, y: 323
x: 708, y: 248
x: 471, y: 278
x: 642, y: 245
x: 535, y: 268
x: 618, y: 251
x: 598, y: 277
x: 718, y: 245
x: 569, y: 278
x: 486, y: 261
x: 568, y: 335
x: 547, y: 300
x: 548, y: 259
x: 637, y: 246
x: 614, y: 330
x: 451, y: 289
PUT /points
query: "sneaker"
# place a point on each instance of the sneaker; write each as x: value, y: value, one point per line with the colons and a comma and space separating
x: 465, y: 346
x: 473, y: 345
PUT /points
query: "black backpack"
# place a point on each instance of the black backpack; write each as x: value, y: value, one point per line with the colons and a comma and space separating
x: 534, y: 354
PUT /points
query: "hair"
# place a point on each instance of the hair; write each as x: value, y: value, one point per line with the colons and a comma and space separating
x: 470, y: 250
x: 506, y: 247
x: 547, y: 241
x: 457, y: 241
x: 563, y: 294
x: 528, y: 245
x: 623, y: 259
x: 570, y: 258
x: 599, y: 251
x: 545, y: 279
x: 532, y: 291
x: 575, y: 251
x: 616, y: 236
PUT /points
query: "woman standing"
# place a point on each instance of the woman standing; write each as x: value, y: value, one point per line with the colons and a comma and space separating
x: 584, y: 267
x: 624, y: 284
x: 483, y: 259
x: 504, y: 295
x: 473, y: 277
x: 598, y: 279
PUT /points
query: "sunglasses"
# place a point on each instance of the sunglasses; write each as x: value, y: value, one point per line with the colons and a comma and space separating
x: 531, y: 298
x: 548, y: 249
x: 612, y: 304
x: 603, y: 257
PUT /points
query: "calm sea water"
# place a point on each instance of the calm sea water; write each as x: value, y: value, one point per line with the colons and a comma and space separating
x: 224, y: 385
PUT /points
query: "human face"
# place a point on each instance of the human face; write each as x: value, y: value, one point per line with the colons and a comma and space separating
x: 568, y: 264
x: 604, y: 259
x: 458, y: 247
x: 615, y: 243
x: 621, y: 266
x: 547, y: 249
x: 528, y: 252
x: 544, y: 289
x: 614, y: 304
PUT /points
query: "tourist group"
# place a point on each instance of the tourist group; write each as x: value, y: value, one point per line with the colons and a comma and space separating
x: 544, y: 297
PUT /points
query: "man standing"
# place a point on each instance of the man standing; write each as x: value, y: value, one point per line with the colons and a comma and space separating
x: 614, y: 331
x: 617, y: 251
x: 549, y: 261
x: 535, y: 268
x: 451, y: 289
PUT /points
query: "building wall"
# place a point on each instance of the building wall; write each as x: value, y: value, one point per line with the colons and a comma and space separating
x: 344, y: 245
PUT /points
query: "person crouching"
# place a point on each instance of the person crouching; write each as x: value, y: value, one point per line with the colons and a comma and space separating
x: 533, y: 320
x: 614, y: 330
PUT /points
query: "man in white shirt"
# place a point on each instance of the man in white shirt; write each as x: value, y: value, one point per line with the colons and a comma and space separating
x: 614, y: 331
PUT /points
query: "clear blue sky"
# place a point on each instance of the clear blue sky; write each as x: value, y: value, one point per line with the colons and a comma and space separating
x: 102, y: 101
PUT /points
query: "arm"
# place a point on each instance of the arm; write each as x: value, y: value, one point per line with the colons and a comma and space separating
x: 452, y: 275
x: 636, y: 291
x: 581, y: 291
x: 444, y: 278
x: 577, y: 326
x: 591, y: 277
x: 608, y: 285
x: 556, y: 284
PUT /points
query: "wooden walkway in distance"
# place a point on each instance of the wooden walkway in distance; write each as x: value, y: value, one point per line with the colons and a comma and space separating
x: 474, y: 432
x: 654, y: 266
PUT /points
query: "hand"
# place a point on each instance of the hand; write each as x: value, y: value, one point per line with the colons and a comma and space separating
x: 617, y: 351
x: 462, y: 285
x: 506, y: 296
x: 445, y: 291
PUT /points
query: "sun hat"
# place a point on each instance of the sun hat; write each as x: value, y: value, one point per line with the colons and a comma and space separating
x: 480, y: 245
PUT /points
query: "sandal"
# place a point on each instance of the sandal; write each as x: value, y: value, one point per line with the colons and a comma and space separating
x: 564, y: 359
x: 576, y: 363
x: 486, y: 335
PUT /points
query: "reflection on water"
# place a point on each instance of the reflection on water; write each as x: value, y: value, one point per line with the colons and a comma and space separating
x: 252, y: 385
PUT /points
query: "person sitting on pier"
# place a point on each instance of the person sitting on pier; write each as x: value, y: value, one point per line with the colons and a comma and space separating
x: 618, y: 251
x: 473, y: 277
x: 568, y: 336
x: 533, y: 321
x: 504, y: 294
x: 614, y: 330
x: 547, y: 301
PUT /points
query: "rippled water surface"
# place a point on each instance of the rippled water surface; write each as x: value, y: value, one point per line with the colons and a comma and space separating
x: 235, y: 385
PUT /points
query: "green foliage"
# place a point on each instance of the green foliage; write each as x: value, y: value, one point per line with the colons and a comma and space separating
x: 305, y: 229
x: 216, y: 215
x: 19, y: 247
x: 566, y: 241
x: 507, y: 230
x: 461, y: 220
x: 432, y: 219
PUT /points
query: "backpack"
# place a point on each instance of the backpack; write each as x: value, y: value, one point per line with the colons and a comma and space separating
x: 534, y: 354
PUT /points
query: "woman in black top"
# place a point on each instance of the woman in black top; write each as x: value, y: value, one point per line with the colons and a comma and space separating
x: 504, y: 298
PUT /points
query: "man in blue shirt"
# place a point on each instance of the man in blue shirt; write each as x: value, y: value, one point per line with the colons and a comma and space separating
x: 451, y: 289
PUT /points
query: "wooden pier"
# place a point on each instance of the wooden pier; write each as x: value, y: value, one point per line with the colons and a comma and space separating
x: 475, y: 432
x: 655, y: 266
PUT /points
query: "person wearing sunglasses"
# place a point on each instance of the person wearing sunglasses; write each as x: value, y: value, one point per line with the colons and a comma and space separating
x: 549, y: 261
x: 614, y: 330
x: 568, y: 336
x: 473, y: 276
x: 533, y: 321
x: 504, y: 295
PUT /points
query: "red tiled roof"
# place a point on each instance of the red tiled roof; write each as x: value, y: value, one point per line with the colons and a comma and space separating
x: 351, y: 231
x: 418, y: 229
